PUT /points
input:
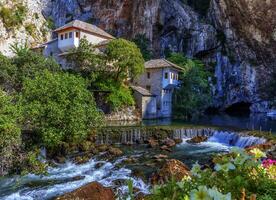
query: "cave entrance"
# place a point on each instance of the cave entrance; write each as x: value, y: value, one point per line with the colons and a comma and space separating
x: 239, y: 109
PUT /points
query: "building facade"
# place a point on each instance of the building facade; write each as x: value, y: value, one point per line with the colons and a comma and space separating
x: 68, y: 37
x: 159, y: 80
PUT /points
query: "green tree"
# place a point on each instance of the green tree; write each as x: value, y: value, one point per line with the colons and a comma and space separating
x: 9, y: 130
x: 124, y: 59
x: 143, y: 44
x: 194, y: 94
x: 85, y: 59
x: 29, y: 63
x: 59, y: 108
x: 7, y: 73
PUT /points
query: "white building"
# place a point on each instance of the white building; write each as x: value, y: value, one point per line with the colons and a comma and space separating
x: 157, y: 82
x: 68, y: 37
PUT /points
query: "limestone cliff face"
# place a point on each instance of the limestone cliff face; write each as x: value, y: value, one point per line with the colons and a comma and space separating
x: 237, y: 38
x: 32, y: 30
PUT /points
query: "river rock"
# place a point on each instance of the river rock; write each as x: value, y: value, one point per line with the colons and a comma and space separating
x: 91, y: 191
x: 81, y: 159
x: 102, y: 148
x: 115, y: 151
x: 178, y: 140
x: 160, y: 156
x: 152, y: 143
x: 169, y: 142
x: 165, y: 148
x: 198, y: 139
x: 171, y: 169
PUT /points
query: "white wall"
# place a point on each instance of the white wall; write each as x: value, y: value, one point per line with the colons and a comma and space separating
x: 69, y: 43
x: 170, y: 79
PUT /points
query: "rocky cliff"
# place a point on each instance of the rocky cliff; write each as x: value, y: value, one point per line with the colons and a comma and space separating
x: 235, y: 38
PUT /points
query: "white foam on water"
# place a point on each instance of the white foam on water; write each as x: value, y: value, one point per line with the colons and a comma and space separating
x: 105, y: 175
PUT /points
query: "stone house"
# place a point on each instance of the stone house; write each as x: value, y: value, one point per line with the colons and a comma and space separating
x: 154, y: 88
x: 68, y: 37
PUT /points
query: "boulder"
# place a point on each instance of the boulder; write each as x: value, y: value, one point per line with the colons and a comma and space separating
x: 152, y: 143
x: 169, y: 142
x: 102, y: 148
x: 198, y: 139
x: 171, y: 169
x: 165, y: 148
x: 115, y: 151
x: 91, y: 191
x: 178, y: 141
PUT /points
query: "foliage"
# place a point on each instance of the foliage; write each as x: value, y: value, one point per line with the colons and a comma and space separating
x: 194, y: 94
x: 107, y: 73
x: 120, y: 95
x: 14, y: 16
x: 143, y: 43
x: 29, y: 63
x: 59, y: 108
x: 124, y: 59
x: 7, y: 72
x: 233, y: 173
x: 85, y: 59
x: 9, y: 129
x: 31, y: 29
x: 10, y: 132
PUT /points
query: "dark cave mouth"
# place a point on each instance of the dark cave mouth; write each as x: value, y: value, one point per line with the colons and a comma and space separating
x: 239, y: 109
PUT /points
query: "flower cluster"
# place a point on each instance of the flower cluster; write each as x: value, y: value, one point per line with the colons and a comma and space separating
x: 203, y: 193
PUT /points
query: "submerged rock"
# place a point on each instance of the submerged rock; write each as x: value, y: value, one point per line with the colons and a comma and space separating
x: 152, y: 143
x: 171, y: 169
x: 165, y: 148
x: 198, y: 139
x: 169, y: 142
x: 178, y: 141
x: 91, y: 191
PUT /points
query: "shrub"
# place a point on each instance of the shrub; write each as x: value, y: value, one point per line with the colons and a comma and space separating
x: 7, y: 73
x: 29, y: 63
x: 120, y: 96
x: 14, y: 16
x: 125, y: 60
x: 31, y: 29
x: 143, y: 43
x: 9, y: 130
x: 59, y: 108
x: 194, y: 94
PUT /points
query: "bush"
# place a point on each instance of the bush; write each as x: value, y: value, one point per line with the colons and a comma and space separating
x: 234, y: 175
x: 59, y: 108
x: 31, y: 29
x: 10, y: 133
x: 126, y: 58
x: 120, y: 95
x: 194, y: 94
x: 143, y: 44
x: 14, y: 16
x: 29, y: 63
x: 7, y: 73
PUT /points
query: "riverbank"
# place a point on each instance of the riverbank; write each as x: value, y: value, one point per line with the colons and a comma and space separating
x: 113, y: 155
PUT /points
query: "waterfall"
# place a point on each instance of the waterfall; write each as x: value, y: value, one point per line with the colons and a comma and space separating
x: 184, y: 133
x: 234, y: 139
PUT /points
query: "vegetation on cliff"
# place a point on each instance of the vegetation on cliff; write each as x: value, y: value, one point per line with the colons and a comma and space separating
x: 194, y: 94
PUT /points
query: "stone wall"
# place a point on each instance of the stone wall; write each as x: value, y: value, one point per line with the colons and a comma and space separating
x: 125, y: 114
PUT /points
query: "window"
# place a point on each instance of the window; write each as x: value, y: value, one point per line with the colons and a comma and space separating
x: 176, y: 76
x: 171, y: 75
x: 148, y: 87
x: 148, y: 75
x: 77, y: 34
x: 61, y: 37
x: 166, y: 75
x: 70, y: 35
x: 66, y: 35
x: 51, y: 53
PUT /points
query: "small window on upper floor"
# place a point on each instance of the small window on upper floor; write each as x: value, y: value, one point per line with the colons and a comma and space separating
x: 70, y: 34
x: 77, y: 34
x: 166, y: 75
x: 148, y: 75
x: 148, y: 87
x: 61, y: 37
x: 66, y: 35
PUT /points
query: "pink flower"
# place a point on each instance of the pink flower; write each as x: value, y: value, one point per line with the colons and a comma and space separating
x: 268, y: 162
